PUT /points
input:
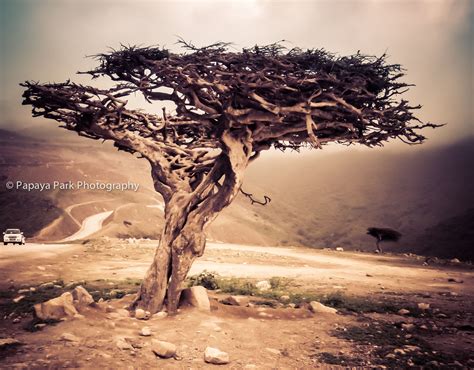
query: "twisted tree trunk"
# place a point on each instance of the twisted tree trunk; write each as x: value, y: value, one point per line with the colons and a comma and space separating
x: 187, y: 215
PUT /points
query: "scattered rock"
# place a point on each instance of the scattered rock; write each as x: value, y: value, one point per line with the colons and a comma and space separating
x: 403, y: 311
x: 263, y: 285
x: 18, y: 299
x: 9, y: 342
x: 285, y: 298
x: 68, y: 337
x: 451, y: 280
x: 145, y: 332
x: 41, y: 268
x: 196, y: 296
x: 23, y: 291
x: 410, y: 348
x: 140, y: 314
x: 236, y: 300
x: 81, y: 297
x: 368, y: 275
x: 408, y: 327
x: 163, y: 349
x: 317, y: 307
x: 121, y: 343
x: 56, y: 308
x: 292, y: 305
x: 340, y: 249
x: 273, y: 350
x: 399, y: 351
x: 455, y: 260
x: 216, y: 356
x: 160, y: 315
x: 47, y: 285
x: 424, y: 306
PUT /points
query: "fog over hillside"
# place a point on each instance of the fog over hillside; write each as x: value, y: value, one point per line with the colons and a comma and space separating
x: 339, y: 195
x: 319, y: 199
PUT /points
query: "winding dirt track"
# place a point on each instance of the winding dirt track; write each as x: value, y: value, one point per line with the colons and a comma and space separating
x: 89, y: 226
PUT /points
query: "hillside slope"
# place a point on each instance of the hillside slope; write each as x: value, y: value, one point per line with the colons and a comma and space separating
x: 319, y: 199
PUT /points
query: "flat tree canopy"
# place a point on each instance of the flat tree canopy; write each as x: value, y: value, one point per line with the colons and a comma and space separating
x: 229, y: 107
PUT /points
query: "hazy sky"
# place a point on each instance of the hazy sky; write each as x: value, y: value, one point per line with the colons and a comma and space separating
x: 47, y: 40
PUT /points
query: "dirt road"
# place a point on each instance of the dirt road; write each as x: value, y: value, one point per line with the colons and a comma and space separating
x: 89, y: 226
x: 350, y: 271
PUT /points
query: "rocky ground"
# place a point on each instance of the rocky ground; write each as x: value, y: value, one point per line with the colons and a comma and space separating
x: 340, y: 309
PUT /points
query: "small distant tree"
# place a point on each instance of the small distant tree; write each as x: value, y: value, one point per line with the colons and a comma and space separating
x: 383, y: 235
x: 230, y: 106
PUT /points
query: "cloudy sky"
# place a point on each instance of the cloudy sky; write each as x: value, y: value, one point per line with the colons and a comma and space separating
x: 48, y: 40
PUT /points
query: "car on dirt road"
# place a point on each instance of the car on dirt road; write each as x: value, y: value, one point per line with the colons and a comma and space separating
x: 14, y: 236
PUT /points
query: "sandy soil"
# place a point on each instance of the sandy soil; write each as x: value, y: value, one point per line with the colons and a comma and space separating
x: 282, y: 337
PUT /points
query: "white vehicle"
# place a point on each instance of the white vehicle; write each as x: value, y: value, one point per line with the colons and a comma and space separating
x: 14, y: 236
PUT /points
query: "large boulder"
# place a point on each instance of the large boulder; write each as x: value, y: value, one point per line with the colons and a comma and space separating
x: 317, y: 307
x: 216, y: 356
x: 56, y: 308
x: 196, y: 296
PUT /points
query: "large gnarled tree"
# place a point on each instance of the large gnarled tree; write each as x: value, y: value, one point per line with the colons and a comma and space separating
x: 229, y: 106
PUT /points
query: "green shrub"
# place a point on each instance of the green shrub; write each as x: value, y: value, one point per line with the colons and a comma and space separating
x: 206, y: 279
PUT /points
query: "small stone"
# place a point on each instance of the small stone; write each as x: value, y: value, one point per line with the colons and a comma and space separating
x: 18, y: 299
x: 163, y: 349
x: 122, y: 344
x: 235, y: 300
x: 451, y: 280
x: 23, y: 291
x: 140, y: 314
x: 216, y: 356
x: 41, y: 268
x: 403, y: 311
x: 410, y: 348
x: 68, y: 337
x: 263, y: 285
x: 160, y: 315
x: 340, y: 249
x: 292, y: 305
x: 317, y: 307
x: 285, y: 298
x: 424, y: 306
x: 145, y: 331
x: 273, y: 350
x: 399, y: 351
x: 455, y: 260
x: 16, y: 320
x: 408, y: 327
